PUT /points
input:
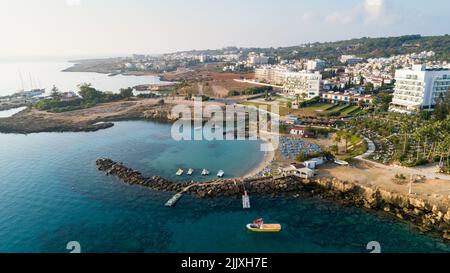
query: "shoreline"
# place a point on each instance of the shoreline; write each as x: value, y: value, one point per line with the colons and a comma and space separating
x: 423, y: 214
x: 265, y: 162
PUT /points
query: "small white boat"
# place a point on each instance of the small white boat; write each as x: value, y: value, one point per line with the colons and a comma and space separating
x: 190, y: 172
x: 220, y: 173
x: 205, y: 172
x: 180, y: 172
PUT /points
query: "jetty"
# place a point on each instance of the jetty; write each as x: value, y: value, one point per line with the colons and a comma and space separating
x: 173, y: 201
x: 246, y: 201
x: 424, y: 213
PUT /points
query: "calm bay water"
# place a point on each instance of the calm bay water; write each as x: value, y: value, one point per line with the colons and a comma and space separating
x: 45, y: 74
x: 51, y: 193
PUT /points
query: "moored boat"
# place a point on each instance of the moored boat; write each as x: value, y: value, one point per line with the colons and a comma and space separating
x: 220, y: 173
x: 180, y: 172
x: 190, y: 172
x: 259, y: 226
x: 205, y: 172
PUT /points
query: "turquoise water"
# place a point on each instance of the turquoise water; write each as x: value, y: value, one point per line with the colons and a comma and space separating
x: 51, y: 193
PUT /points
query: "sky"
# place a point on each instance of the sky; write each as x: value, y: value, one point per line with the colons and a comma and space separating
x: 122, y: 27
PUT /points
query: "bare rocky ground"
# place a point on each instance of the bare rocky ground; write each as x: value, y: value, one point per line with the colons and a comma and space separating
x: 92, y: 119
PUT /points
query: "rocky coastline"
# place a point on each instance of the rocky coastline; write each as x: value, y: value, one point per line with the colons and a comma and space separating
x: 33, y: 121
x: 426, y: 216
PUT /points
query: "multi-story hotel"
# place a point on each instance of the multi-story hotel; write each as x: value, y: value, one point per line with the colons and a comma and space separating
x: 301, y: 83
x: 272, y: 75
x: 419, y: 88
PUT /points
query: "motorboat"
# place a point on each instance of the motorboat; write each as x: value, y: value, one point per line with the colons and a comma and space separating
x: 259, y: 226
x: 180, y: 172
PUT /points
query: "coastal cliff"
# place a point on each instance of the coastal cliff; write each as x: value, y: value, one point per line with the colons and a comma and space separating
x: 428, y: 217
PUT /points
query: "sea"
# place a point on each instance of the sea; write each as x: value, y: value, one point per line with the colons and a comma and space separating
x: 16, y: 75
x: 51, y: 193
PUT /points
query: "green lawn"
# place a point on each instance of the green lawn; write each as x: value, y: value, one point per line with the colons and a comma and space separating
x: 283, y: 109
x: 350, y: 110
x: 320, y: 107
x: 346, y: 110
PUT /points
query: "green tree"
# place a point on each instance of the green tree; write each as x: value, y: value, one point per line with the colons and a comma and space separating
x: 89, y: 94
x: 126, y: 92
x: 442, y: 108
x: 382, y: 101
x: 55, y: 94
x: 369, y: 87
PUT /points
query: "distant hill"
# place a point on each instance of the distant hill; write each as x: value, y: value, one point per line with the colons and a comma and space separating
x: 373, y: 47
x: 362, y: 47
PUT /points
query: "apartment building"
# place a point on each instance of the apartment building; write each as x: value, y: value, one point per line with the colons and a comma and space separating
x: 343, y: 98
x: 303, y: 83
x: 419, y: 88
x: 316, y: 65
x: 272, y: 75
x: 257, y: 59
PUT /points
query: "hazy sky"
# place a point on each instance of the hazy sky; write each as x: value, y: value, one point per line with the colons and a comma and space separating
x: 116, y: 27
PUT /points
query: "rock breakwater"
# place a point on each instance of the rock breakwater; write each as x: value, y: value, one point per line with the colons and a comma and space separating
x: 428, y: 217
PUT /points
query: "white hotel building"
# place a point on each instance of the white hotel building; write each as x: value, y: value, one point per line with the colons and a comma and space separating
x: 302, y: 83
x: 419, y: 88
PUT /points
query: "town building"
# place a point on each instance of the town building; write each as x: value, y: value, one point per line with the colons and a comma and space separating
x: 350, y: 59
x: 316, y: 65
x: 342, y: 98
x: 419, y: 88
x: 204, y: 58
x: 257, y: 59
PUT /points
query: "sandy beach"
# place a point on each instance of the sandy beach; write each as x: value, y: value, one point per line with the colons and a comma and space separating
x: 267, y: 159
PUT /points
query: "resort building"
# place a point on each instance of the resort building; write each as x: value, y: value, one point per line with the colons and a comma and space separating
x: 343, y: 98
x: 419, y: 88
x: 272, y: 75
x: 305, y: 84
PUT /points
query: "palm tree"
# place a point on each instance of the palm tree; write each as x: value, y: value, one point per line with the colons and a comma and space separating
x: 338, y: 139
